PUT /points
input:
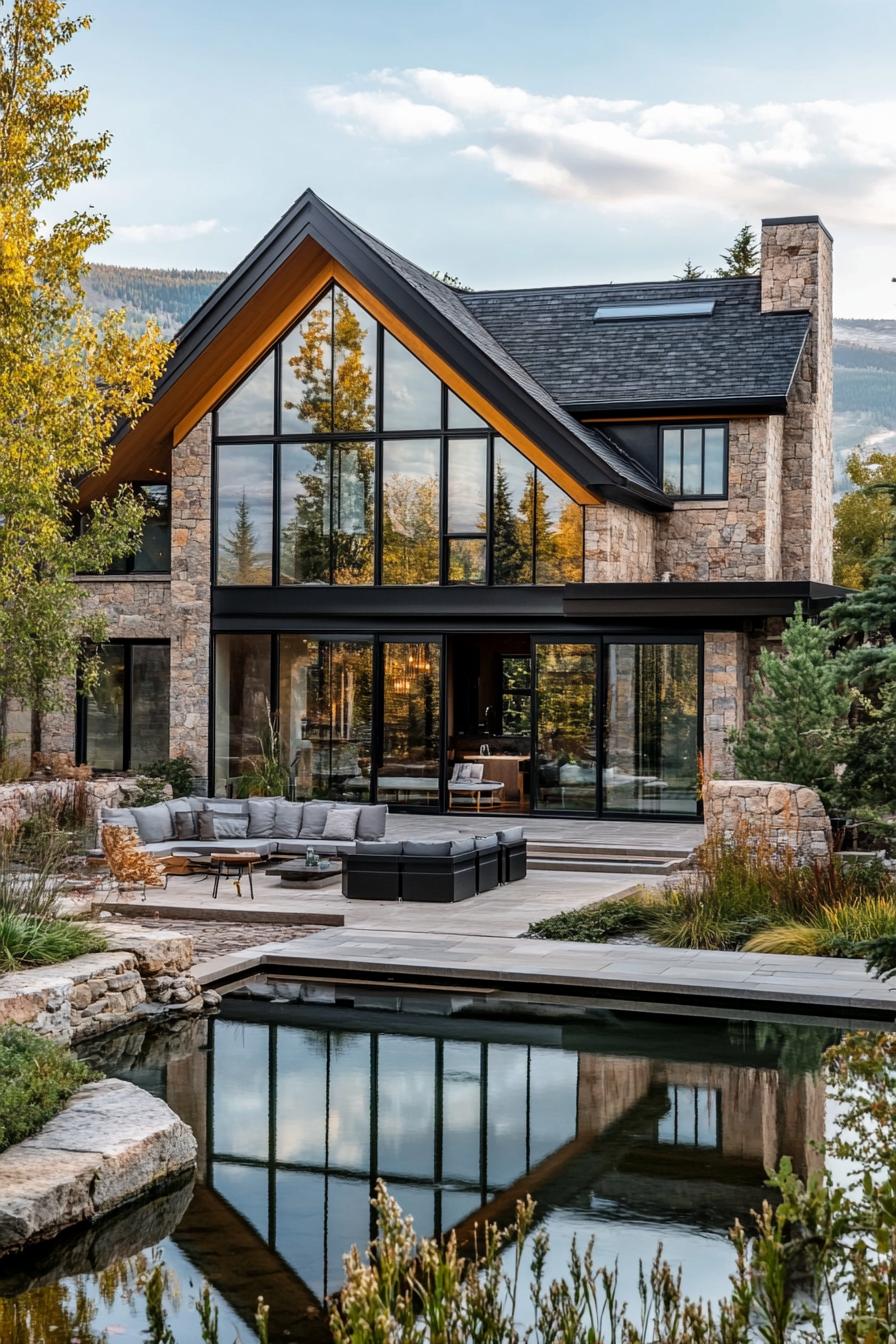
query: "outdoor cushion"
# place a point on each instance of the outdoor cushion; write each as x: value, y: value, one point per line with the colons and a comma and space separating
x: 198, y: 804
x: 467, y: 771
x: 511, y: 836
x: 222, y: 826
x: 372, y: 821
x: 117, y: 816
x: 185, y: 825
x: 464, y: 846
x: 341, y: 823
x: 261, y: 816
x: 377, y: 847
x: 154, y: 823
x: 486, y: 841
x: 300, y: 846
x: 427, y: 847
x: 175, y: 805
x: 287, y: 819
x: 238, y: 805
x: 314, y: 820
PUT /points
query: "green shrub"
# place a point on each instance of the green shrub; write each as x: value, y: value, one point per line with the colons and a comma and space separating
x: 38, y: 1077
x: 29, y: 940
x: 594, y: 923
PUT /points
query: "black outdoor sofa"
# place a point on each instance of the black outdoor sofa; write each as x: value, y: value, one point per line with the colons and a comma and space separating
x: 439, y: 871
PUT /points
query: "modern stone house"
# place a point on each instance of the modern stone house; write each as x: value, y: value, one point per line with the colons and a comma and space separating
x: 527, y: 539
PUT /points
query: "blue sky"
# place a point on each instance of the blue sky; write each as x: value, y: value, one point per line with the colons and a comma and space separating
x: 507, y: 143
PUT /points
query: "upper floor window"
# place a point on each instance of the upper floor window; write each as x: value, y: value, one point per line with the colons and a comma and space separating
x: 342, y: 459
x: 695, y: 461
x: 153, y: 555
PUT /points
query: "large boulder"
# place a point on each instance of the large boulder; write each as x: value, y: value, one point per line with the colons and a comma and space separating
x: 790, y: 818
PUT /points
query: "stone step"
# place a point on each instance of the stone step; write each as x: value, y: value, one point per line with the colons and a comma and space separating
x: 656, y: 867
x: 574, y: 849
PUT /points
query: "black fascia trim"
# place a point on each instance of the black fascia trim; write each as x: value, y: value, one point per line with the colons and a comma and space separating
x: 640, y: 505
x: 773, y: 404
x: 380, y: 606
x: 658, y: 601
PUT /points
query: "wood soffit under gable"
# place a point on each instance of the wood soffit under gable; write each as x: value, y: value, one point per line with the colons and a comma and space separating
x: 144, y: 451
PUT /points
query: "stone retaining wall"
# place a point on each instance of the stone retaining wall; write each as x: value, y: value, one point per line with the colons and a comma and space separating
x: 142, y: 972
x: 112, y: 1143
x: 789, y: 817
x: 20, y: 800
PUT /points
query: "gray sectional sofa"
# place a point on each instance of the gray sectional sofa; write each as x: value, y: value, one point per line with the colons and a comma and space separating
x: 268, y: 826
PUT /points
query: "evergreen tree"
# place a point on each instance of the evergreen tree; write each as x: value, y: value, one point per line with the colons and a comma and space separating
x: 240, y: 546
x: 512, y: 552
x: 690, y: 272
x: 866, y: 621
x: 742, y: 257
x: 797, y: 712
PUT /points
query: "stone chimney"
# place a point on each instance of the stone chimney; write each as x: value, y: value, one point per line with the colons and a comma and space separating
x: 796, y: 272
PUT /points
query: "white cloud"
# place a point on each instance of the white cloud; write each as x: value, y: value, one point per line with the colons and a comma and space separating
x: 167, y: 233
x: 624, y: 156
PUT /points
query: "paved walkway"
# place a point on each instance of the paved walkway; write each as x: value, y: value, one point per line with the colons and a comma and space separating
x: 726, y: 981
x: 657, y: 835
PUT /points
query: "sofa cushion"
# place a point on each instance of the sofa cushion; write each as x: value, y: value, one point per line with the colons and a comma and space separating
x: 154, y: 823
x: 186, y: 825
x: 486, y: 841
x: 372, y: 821
x: 377, y: 847
x: 426, y: 847
x: 238, y: 805
x: 511, y: 836
x: 261, y: 816
x: 198, y: 804
x: 175, y: 805
x: 341, y: 823
x: 118, y: 816
x: 466, y: 845
x: 222, y: 826
x: 323, y: 847
x: 287, y: 819
x: 314, y: 820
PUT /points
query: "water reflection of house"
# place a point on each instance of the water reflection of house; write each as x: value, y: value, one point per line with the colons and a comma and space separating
x: 297, y: 1117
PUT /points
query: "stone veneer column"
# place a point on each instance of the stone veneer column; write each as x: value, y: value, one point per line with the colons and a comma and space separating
x: 619, y: 544
x: 797, y: 272
x: 191, y: 509
x: 724, y: 697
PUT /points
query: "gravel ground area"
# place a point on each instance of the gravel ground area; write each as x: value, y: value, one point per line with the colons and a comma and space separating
x: 213, y: 937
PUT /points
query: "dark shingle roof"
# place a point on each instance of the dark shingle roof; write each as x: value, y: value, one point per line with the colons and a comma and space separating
x: 738, y: 355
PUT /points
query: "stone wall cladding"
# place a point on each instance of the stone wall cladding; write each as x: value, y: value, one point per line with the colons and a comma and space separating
x: 619, y: 545
x: 101, y: 991
x: 738, y: 538
x: 789, y: 817
x: 724, y: 697
x: 191, y: 495
x: 19, y: 801
x: 797, y: 272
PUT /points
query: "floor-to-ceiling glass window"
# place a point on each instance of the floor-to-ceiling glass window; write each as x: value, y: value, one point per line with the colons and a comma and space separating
x: 242, y: 703
x: 651, y: 717
x: 565, y: 731
x: 409, y: 769
x: 326, y: 715
x: 123, y: 722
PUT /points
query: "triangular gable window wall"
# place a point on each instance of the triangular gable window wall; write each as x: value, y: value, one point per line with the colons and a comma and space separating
x: 342, y: 459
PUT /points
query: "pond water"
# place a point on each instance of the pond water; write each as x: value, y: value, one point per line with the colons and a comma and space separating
x: 628, y: 1128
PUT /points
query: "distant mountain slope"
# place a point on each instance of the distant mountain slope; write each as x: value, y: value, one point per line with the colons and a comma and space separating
x: 864, y: 349
x: 168, y: 296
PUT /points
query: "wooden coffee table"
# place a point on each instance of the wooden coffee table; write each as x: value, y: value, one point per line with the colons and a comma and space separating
x: 297, y: 874
x: 234, y: 866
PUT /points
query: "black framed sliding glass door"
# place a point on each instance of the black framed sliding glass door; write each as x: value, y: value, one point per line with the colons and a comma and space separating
x: 410, y: 755
x: 565, y: 727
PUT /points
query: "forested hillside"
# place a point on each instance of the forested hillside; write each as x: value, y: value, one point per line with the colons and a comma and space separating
x: 864, y: 349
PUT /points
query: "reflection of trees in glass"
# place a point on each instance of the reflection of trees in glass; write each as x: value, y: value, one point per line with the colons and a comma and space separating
x: 331, y: 367
x: 352, y: 512
x: 411, y: 704
x: 326, y: 701
x: 410, y: 529
x: 239, y: 558
x: 511, y: 534
x: 566, y: 685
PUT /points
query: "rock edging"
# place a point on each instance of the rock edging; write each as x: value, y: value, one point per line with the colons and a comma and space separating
x: 112, y: 1143
x: 142, y: 971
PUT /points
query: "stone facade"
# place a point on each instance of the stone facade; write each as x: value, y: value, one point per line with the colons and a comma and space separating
x: 19, y: 801
x: 191, y: 532
x: 739, y: 537
x: 797, y: 272
x: 619, y: 545
x: 788, y: 817
x: 724, y: 697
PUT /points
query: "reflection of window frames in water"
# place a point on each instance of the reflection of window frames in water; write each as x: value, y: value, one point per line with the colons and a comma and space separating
x: 693, y: 1119
x: 303, y: 1121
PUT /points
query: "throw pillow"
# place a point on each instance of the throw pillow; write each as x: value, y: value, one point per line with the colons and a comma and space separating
x: 261, y: 816
x: 372, y: 821
x: 185, y: 827
x: 230, y: 827
x: 314, y: 820
x: 118, y: 816
x: 154, y: 823
x: 341, y: 823
x: 238, y: 805
x: 287, y: 820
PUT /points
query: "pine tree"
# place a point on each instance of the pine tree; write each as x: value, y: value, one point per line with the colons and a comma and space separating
x: 512, y: 556
x: 742, y: 257
x: 797, y: 712
x: 240, y: 546
x: 866, y: 620
x: 690, y: 272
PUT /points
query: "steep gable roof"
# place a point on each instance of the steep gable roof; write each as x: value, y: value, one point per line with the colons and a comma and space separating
x: 736, y: 357
x: 428, y: 308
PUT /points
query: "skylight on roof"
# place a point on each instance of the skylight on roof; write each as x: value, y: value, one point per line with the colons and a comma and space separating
x: 625, y: 312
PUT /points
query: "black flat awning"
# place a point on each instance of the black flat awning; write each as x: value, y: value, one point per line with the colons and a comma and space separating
x: 695, y: 601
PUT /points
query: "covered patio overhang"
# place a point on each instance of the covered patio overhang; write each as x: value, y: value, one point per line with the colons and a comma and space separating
x: 729, y: 605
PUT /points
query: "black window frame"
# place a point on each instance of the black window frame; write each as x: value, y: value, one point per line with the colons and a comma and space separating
x: 82, y: 699
x: 703, y: 426
x: 376, y: 436
x: 127, y: 562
